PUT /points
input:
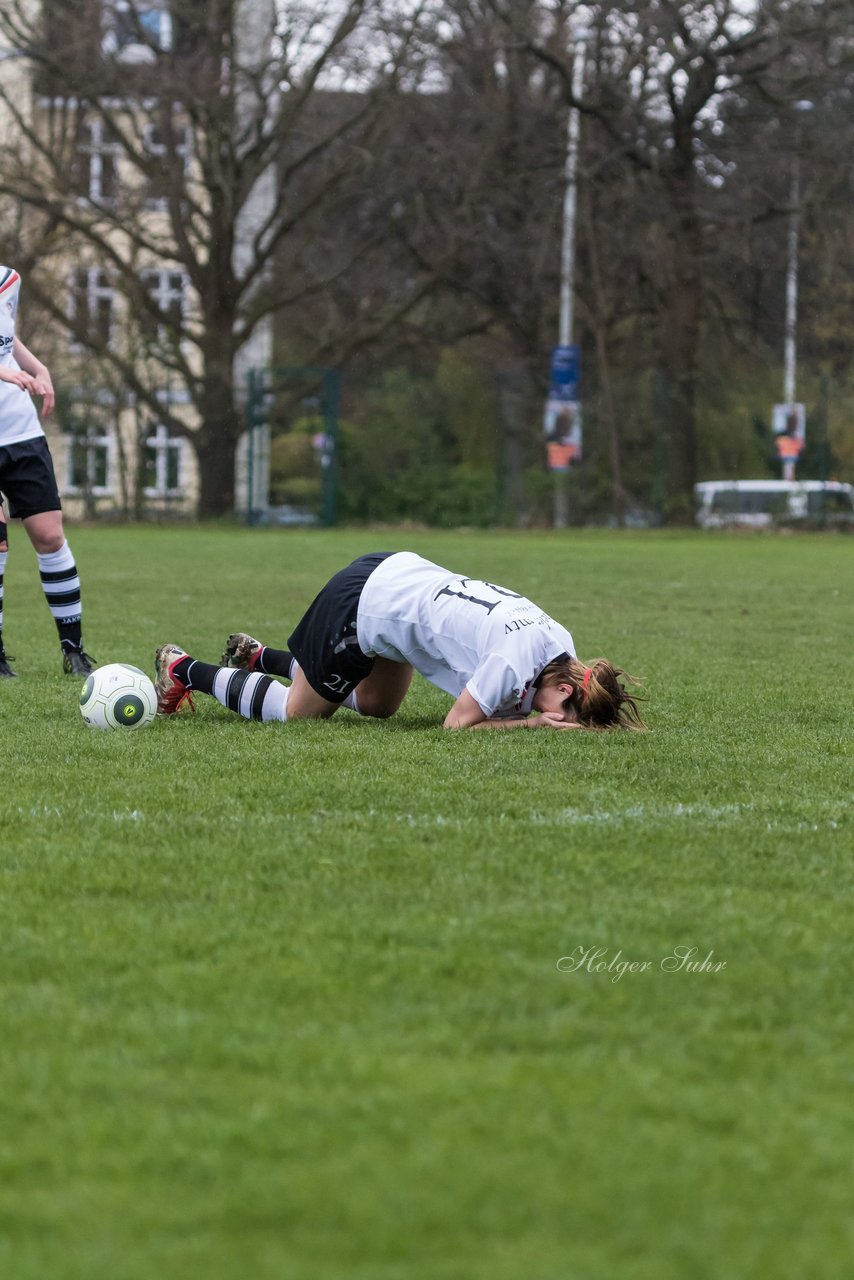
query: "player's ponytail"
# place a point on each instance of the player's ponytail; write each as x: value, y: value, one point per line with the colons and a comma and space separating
x: 599, y: 698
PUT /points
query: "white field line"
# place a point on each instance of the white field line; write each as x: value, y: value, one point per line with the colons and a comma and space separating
x: 833, y: 815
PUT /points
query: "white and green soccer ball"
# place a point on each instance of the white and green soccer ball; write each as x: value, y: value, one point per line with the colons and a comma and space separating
x: 118, y: 696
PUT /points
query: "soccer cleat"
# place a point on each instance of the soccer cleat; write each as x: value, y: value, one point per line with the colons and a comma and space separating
x: 5, y: 669
x: 77, y: 663
x: 241, y: 651
x: 171, y: 694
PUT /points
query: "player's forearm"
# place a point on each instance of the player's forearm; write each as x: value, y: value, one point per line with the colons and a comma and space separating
x: 466, y: 713
x: 27, y: 360
x: 527, y: 723
x: 545, y: 720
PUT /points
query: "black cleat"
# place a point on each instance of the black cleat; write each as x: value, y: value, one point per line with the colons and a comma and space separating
x: 77, y: 663
x: 5, y: 669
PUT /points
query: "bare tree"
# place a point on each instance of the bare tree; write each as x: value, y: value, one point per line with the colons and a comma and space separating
x: 659, y: 80
x: 193, y: 143
x: 690, y: 130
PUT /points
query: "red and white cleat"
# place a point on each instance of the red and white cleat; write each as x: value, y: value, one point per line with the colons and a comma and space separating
x: 171, y: 694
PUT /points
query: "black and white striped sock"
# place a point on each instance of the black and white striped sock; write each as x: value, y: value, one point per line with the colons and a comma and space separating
x: 249, y: 693
x: 3, y: 556
x: 275, y: 662
x: 61, y: 586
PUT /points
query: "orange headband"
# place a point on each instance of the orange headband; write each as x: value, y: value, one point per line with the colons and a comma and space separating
x: 588, y: 672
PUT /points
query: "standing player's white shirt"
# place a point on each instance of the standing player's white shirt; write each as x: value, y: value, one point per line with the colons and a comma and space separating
x: 460, y: 633
x: 18, y: 418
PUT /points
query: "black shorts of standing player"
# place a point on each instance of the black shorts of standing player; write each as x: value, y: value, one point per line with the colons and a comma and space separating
x: 325, y: 643
x: 28, y: 487
x: 27, y: 478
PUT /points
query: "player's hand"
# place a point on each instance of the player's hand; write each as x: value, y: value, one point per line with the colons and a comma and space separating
x: 553, y: 720
x: 18, y: 378
x: 42, y: 386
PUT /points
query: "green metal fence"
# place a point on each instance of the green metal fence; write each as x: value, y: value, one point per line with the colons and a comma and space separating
x: 292, y: 417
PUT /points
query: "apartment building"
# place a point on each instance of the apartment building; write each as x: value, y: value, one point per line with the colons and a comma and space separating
x: 109, y: 197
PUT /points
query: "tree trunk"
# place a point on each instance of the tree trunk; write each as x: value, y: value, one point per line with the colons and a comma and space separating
x: 216, y: 458
x: 681, y: 334
x: 607, y: 412
x: 221, y: 424
x: 216, y: 447
x: 512, y: 406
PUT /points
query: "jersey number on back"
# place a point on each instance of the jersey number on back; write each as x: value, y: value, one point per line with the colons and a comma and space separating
x: 488, y: 605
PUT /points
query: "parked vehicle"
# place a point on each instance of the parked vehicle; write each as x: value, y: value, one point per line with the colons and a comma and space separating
x: 758, y: 504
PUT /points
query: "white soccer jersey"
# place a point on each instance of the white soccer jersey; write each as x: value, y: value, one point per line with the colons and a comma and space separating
x: 18, y: 418
x: 460, y: 633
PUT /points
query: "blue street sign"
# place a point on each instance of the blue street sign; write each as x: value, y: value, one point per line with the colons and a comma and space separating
x: 565, y: 373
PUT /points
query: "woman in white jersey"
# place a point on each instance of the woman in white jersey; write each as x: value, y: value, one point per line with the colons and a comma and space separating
x: 28, y: 483
x: 506, y: 663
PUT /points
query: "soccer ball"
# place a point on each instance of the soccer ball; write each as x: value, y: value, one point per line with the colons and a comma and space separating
x: 118, y: 696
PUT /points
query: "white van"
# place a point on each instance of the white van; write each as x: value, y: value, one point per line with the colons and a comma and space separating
x: 756, y: 504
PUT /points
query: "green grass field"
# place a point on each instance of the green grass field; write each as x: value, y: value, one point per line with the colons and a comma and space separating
x: 284, y: 1002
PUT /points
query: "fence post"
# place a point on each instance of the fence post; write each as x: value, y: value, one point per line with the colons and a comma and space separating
x: 329, y: 460
x: 659, y: 414
x: 250, y: 432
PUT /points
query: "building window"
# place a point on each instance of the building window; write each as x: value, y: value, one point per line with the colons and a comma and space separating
x: 96, y: 170
x: 136, y: 31
x: 88, y: 469
x: 90, y: 306
x: 164, y: 458
x: 168, y: 292
x: 169, y: 165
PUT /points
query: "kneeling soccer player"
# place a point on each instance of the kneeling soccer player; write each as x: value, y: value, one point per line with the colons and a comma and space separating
x: 498, y: 654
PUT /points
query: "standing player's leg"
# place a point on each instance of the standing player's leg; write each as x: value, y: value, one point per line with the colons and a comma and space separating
x: 5, y: 669
x: 61, y: 585
x: 30, y: 485
x: 250, y: 694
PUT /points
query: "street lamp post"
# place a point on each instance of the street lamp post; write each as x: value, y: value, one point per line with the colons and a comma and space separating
x: 791, y: 417
x: 790, y: 345
x: 567, y: 251
x: 570, y: 194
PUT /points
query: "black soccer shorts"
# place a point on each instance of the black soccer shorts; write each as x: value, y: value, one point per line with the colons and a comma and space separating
x: 325, y: 642
x: 27, y: 478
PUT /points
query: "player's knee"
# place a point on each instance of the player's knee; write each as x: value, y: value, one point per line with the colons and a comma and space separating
x: 46, y: 532
x: 47, y: 545
x: 380, y: 713
x: 378, y: 708
x: 46, y: 536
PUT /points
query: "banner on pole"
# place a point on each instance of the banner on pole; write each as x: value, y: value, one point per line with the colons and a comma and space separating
x: 790, y: 420
x: 563, y: 429
x: 789, y: 447
x: 565, y: 380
